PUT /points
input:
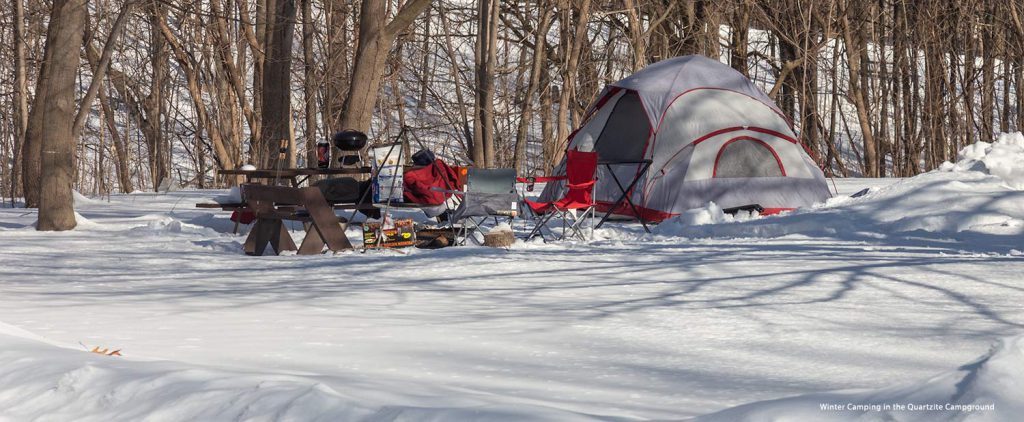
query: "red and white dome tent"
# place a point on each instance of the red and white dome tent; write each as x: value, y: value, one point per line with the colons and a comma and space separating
x: 711, y: 135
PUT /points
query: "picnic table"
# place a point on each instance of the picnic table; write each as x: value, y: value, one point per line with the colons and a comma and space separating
x: 270, y: 206
x: 295, y: 175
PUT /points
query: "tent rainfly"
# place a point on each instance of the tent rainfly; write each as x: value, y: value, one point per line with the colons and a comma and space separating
x: 711, y: 135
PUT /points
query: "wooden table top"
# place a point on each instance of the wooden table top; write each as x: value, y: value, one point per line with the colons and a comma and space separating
x: 290, y: 172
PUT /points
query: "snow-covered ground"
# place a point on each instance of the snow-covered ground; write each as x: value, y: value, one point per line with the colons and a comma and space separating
x: 878, y: 293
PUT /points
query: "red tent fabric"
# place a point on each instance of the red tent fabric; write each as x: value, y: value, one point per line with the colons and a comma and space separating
x: 419, y: 183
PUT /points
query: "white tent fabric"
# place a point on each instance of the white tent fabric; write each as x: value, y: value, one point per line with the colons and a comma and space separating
x: 711, y: 135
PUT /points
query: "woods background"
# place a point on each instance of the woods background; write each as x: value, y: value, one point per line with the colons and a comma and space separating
x: 173, y: 89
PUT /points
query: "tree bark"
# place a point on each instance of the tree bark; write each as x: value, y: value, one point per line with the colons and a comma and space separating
x: 574, y: 36
x: 537, y: 67
x: 32, y: 147
x: 224, y: 152
x: 336, y: 70
x: 124, y: 177
x: 309, y: 84
x: 276, y: 126
x: 100, y: 71
x: 20, y: 94
x: 486, y: 56
x: 854, y: 46
x: 64, y: 41
x: 154, y: 105
x: 375, y: 40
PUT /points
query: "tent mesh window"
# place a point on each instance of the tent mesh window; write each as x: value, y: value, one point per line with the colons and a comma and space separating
x: 747, y: 158
x: 625, y: 133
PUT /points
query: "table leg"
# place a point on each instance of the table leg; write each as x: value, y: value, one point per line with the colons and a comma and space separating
x: 268, y: 231
x: 313, y: 244
x: 259, y: 236
x: 282, y: 240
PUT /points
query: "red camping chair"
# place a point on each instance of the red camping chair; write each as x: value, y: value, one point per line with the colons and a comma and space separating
x: 577, y: 205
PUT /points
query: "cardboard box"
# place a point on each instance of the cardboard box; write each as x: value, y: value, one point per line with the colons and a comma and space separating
x: 402, y: 235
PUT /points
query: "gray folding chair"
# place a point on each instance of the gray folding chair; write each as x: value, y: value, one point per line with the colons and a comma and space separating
x: 489, y: 193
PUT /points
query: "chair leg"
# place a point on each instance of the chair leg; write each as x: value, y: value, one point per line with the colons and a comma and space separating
x: 593, y: 215
x: 561, y: 216
x: 468, y: 230
x: 544, y: 219
x: 462, y: 233
x: 577, y: 227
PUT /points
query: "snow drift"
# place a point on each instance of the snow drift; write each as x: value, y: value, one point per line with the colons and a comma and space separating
x: 1004, y: 158
x: 40, y: 380
x: 977, y: 201
x: 988, y: 389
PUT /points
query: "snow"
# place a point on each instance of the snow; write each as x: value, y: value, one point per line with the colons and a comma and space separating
x: 977, y: 202
x: 55, y: 383
x: 988, y: 389
x: 891, y: 288
x: 710, y: 214
x: 1003, y: 158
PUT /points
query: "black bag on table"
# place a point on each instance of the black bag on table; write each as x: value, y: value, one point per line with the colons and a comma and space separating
x: 423, y: 157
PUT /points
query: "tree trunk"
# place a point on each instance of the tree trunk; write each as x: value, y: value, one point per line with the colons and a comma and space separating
x: 154, y: 104
x: 466, y: 138
x: 32, y: 148
x: 375, y: 40
x: 486, y: 56
x: 336, y: 70
x: 740, y: 37
x: 63, y: 41
x: 100, y: 70
x: 309, y: 84
x: 276, y: 117
x: 20, y: 94
x: 536, y: 69
x: 988, y: 81
x: 574, y: 36
x: 124, y: 177
x: 854, y: 47
x: 223, y: 152
x: 636, y: 35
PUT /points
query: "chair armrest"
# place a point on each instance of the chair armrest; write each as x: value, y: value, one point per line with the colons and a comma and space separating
x: 540, y: 179
x: 644, y: 161
x: 451, y: 191
x: 583, y: 185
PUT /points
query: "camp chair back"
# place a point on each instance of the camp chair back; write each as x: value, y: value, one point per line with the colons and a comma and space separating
x: 491, y: 180
x: 488, y: 193
x: 580, y: 168
x: 273, y: 204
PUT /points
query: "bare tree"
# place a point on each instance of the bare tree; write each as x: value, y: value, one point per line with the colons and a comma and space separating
x: 376, y: 35
x: 482, y: 148
x: 276, y: 127
x: 20, y: 93
x: 63, y: 45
